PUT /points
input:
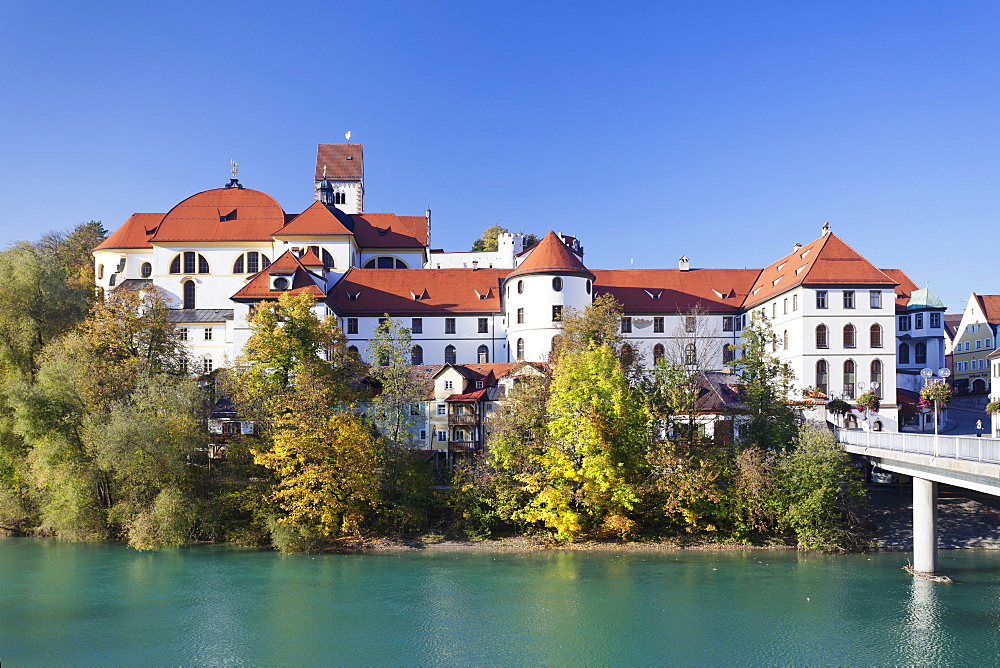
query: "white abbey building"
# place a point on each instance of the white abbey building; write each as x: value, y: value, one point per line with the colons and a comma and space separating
x: 839, y: 319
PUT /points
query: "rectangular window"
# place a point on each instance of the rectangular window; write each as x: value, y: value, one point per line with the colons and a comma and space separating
x: 484, y: 326
x: 520, y: 316
x: 784, y: 306
x: 935, y: 320
x: 848, y: 298
x: 727, y: 323
x: 904, y: 323
x: 449, y: 385
x: 182, y: 333
x: 480, y: 384
x: 206, y: 365
x: 774, y: 310
x: 988, y: 342
x: 352, y: 325
x: 382, y: 321
x: 417, y: 326
x: 821, y: 299
x: 795, y: 303
x: 556, y: 313
x: 208, y: 333
x: 442, y: 409
x: 189, y: 262
x: 626, y: 325
x: 918, y: 321
x: 967, y: 344
x: 423, y: 434
x: 658, y: 325
x: 449, y: 325
x: 979, y: 344
x: 442, y: 437
x: 874, y: 299
x: 690, y: 323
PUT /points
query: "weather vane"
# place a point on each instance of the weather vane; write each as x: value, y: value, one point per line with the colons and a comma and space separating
x: 324, y: 172
x: 235, y: 169
x: 347, y: 136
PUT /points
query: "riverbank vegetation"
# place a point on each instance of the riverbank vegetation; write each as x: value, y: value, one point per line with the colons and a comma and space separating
x: 99, y: 420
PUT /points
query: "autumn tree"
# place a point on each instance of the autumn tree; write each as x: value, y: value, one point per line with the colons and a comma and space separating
x: 592, y: 460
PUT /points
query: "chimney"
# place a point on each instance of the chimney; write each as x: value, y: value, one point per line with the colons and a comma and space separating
x: 684, y: 264
x: 796, y: 247
x: 475, y: 265
x: 826, y: 228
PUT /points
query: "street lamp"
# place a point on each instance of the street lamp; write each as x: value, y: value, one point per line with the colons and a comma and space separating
x: 927, y: 374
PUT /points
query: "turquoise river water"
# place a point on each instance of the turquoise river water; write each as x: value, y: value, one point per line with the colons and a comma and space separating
x: 64, y: 603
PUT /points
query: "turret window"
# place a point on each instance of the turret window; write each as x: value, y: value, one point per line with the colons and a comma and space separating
x: 145, y: 270
x: 520, y: 349
x: 557, y: 284
x: 520, y: 287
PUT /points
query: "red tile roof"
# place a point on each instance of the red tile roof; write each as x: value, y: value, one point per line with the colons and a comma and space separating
x: 343, y: 162
x: 991, y: 307
x: 134, y: 232
x: 387, y: 230
x: 550, y: 255
x: 440, y: 290
x: 259, y: 285
x: 903, y: 290
x: 317, y: 220
x: 674, y: 291
x: 825, y: 261
x: 252, y: 216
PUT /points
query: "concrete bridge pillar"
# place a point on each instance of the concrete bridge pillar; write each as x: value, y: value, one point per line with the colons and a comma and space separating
x: 925, y: 494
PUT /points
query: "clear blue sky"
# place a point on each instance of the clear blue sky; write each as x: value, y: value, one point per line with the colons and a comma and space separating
x: 723, y: 131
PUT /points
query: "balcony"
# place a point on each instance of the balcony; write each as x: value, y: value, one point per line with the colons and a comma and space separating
x: 462, y: 419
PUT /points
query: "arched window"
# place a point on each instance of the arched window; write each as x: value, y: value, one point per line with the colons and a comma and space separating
x: 850, y: 378
x: 520, y: 287
x: 850, y: 340
x: 250, y: 263
x: 628, y: 355
x: 113, y: 280
x: 190, y: 262
x: 875, y: 336
x: 876, y: 376
x: 100, y: 271
x: 385, y: 262
x: 822, y: 336
x: 189, y: 295
x: 920, y: 353
x: 822, y: 376
x: 588, y: 287
x: 658, y: 353
x: 145, y: 270
x: 354, y: 351
x: 690, y: 354
x: 904, y: 353
x: 520, y: 349
x: 483, y: 355
x: 784, y: 340
x: 557, y: 284
x: 728, y: 353
x: 449, y: 355
x: 417, y: 355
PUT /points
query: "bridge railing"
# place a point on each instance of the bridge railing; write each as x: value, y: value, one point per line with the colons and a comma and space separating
x: 968, y: 448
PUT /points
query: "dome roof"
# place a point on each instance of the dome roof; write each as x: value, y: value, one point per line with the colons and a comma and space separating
x: 222, y: 214
x: 551, y: 256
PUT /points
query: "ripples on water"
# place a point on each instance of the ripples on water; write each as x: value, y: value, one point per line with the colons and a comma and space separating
x: 216, y: 605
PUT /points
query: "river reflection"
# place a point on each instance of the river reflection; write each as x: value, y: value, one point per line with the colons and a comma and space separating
x: 215, y: 605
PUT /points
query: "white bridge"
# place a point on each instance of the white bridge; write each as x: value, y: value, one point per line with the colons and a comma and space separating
x: 962, y: 461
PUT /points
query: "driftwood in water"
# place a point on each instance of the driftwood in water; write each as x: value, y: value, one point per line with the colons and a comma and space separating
x: 927, y: 576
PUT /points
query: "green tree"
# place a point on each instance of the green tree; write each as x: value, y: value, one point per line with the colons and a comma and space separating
x: 765, y: 382
x: 398, y: 390
x: 820, y: 496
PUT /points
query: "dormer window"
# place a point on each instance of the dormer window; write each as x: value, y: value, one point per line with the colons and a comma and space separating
x: 654, y: 295
x: 223, y: 217
x: 281, y: 283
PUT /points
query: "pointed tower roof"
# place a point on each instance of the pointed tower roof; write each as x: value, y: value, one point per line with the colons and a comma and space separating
x: 551, y: 256
x: 923, y: 298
